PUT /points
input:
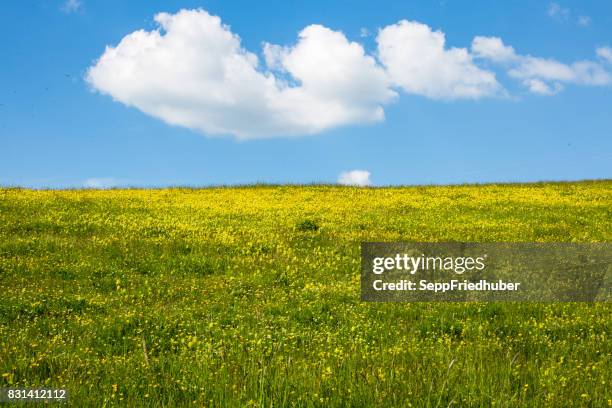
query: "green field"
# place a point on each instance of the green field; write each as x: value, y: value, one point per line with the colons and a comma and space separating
x: 249, y: 296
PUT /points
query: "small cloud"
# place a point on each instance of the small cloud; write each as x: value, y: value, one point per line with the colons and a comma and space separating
x: 71, y: 6
x: 605, y: 53
x: 364, y: 32
x: 542, y: 88
x: 101, y: 183
x: 564, y: 14
x: 359, y: 178
x: 492, y: 48
x: 558, y: 12
x: 584, y: 21
x: 544, y: 76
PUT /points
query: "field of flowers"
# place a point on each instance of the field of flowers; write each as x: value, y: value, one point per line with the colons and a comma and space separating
x: 249, y: 296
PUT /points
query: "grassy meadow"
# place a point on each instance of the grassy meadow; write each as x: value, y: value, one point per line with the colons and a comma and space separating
x: 249, y: 296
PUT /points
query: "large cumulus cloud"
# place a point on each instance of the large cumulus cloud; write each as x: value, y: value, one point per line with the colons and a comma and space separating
x: 192, y: 71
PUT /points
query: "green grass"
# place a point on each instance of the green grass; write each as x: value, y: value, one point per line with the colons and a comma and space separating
x: 250, y: 296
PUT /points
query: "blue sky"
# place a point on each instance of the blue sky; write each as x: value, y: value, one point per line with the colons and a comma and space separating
x: 61, y: 128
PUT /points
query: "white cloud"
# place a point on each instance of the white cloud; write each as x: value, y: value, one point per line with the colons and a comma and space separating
x: 355, y: 178
x: 531, y: 67
x: 581, y: 72
x: 492, y: 48
x: 336, y: 78
x: 557, y: 11
x: 418, y: 62
x: 540, y: 87
x: 193, y: 72
x: 605, y: 53
x: 101, y: 183
x: 584, y: 21
x: 543, y: 76
x: 564, y: 14
x: 71, y: 6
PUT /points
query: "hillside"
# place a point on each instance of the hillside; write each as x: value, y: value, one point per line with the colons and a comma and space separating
x: 250, y: 296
